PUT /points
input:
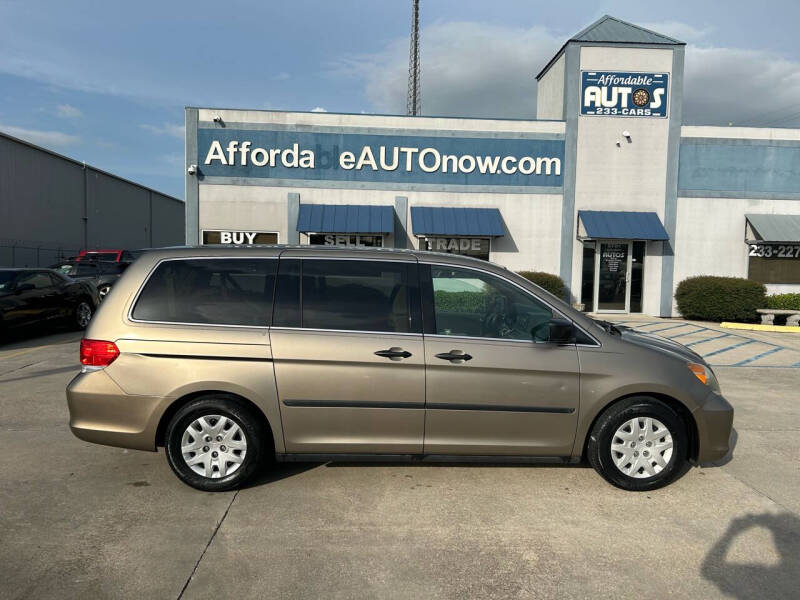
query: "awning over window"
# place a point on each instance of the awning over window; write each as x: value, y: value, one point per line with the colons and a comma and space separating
x: 447, y: 221
x: 345, y: 218
x: 773, y: 228
x: 619, y: 225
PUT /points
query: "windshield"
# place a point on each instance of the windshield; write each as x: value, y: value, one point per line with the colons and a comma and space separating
x: 6, y: 280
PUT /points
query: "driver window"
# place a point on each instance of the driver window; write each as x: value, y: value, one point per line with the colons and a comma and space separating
x: 473, y: 304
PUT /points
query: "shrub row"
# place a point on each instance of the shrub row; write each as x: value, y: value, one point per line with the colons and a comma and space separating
x: 709, y: 298
x: 470, y: 302
x: 552, y: 283
x: 784, y: 301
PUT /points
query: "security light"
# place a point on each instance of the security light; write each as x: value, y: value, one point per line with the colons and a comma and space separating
x: 192, y: 169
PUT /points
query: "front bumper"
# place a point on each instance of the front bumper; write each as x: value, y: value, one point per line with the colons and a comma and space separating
x: 101, y: 413
x: 714, y: 418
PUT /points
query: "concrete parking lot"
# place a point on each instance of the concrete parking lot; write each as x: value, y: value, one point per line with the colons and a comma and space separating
x: 85, y: 521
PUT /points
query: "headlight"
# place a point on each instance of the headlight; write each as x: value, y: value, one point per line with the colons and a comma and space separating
x: 705, y: 375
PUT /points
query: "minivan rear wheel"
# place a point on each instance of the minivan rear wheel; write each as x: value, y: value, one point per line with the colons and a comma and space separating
x: 214, y: 443
x: 639, y: 444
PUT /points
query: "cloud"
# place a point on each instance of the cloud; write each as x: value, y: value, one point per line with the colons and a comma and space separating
x: 318, y: 109
x: 744, y: 87
x: 680, y: 31
x: 56, y: 139
x: 482, y: 70
x: 468, y: 69
x: 170, y: 129
x: 67, y: 111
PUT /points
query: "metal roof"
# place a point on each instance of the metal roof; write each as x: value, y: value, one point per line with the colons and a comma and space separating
x: 774, y: 228
x: 430, y: 220
x: 611, y: 29
x: 345, y: 218
x: 619, y: 225
x: 608, y: 29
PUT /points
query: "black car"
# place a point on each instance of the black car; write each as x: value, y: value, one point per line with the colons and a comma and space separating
x: 32, y: 296
x: 102, y: 274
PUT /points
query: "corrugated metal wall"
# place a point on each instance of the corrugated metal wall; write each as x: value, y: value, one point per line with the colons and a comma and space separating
x: 52, y: 207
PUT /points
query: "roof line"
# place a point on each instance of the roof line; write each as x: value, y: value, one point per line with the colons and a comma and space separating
x: 84, y: 164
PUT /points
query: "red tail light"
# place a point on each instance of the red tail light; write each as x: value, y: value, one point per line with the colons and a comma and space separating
x: 97, y: 353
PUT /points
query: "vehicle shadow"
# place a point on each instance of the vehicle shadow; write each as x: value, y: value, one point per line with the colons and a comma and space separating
x: 277, y: 471
x: 38, y: 336
x: 762, y: 577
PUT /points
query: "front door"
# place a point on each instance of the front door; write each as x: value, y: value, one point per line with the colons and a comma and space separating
x: 495, y: 385
x: 612, y: 279
x: 348, y: 355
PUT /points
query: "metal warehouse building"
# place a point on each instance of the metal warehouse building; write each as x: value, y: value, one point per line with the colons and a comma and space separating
x: 607, y: 188
x: 51, y: 207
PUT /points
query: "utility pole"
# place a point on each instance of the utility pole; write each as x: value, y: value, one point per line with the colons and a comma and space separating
x: 414, y: 100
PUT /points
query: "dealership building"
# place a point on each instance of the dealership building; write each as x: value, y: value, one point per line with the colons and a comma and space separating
x: 606, y: 188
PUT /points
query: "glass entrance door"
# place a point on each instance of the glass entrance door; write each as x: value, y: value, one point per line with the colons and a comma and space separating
x: 613, y: 276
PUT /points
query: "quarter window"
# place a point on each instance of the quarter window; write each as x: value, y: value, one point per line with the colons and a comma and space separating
x: 209, y: 291
x: 355, y: 295
x: 474, y: 304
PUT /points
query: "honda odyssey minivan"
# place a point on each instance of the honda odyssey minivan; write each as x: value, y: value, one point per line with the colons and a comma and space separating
x: 231, y: 357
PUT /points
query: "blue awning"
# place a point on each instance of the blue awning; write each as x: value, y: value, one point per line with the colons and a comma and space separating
x: 345, y: 218
x: 427, y: 220
x: 619, y: 225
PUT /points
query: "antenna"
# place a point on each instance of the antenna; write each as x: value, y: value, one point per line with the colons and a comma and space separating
x: 414, y: 100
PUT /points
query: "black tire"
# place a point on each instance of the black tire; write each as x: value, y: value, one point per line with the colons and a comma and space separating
x: 79, y: 318
x: 251, y: 427
x: 599, y: 452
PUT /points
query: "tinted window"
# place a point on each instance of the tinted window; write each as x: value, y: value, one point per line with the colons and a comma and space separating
x: 38, y: 279
x: 84, y: 269
x: 355, y: 295
x: 287, y: 296
x: 213, y: 291
x: 473, y: 304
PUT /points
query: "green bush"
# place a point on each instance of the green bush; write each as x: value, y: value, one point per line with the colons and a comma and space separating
x: 552, y: 283
x: 784, y: 301
x: 709, y: 298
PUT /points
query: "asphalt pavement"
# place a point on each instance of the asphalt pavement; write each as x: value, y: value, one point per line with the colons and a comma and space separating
x: 85, y: 521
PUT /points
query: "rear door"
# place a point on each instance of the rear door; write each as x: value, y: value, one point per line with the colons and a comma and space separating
x: 348, y: 354
x: 495, y: 385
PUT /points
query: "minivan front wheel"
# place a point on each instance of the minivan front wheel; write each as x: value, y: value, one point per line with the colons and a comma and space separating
x: 214, y: 443
x: 638, y: 444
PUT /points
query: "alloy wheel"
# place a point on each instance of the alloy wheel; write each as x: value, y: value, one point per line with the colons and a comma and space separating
x: 83, y: 314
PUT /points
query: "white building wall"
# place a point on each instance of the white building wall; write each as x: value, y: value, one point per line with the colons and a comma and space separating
x: 550, y: 92
x: 628, y: 177
x: 710, y: 237
x: 532, y: 220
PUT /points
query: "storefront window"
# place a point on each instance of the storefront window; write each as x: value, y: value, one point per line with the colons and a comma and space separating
x: 587, y: 277
x: 466, y: 246
x: 637, y: 276
x: 350, y: 240
x: 774, y: 263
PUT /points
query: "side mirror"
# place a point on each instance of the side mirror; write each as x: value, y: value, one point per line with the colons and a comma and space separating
x: 561, y: 331
x: 23, y: 288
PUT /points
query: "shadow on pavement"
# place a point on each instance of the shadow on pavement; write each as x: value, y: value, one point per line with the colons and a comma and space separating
x: 763, y: 576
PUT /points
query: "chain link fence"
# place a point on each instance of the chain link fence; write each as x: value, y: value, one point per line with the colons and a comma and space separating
x: 30, y: 254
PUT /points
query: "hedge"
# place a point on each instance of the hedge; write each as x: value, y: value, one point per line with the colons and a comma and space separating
x: 709, y: 298
x: 552, y: 283
x: 784, y: 301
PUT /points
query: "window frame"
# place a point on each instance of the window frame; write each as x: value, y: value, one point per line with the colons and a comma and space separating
x: 414, y: 282
x: 429, y: 314
x: 185, y: 258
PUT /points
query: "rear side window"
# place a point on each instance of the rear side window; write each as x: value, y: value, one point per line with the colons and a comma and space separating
x: 350, y: 295
x: 209, y: 291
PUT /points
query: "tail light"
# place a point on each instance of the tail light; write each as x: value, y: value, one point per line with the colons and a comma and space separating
x: 98, y: 353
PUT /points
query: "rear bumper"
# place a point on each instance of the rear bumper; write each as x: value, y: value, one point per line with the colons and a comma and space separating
x: 101, y: 413
x: 714, y: 418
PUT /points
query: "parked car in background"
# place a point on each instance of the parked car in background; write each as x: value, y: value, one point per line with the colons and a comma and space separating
x: 102, y: 274
x: 33, y: 296
x: 110, y: 255
x: 228, y: 356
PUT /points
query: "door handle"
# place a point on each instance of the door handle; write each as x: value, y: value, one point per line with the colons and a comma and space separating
x: 456, y: 356
x: 393, y: 353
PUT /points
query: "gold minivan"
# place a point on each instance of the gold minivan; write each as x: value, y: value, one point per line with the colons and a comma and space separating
x: 231, y: 357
